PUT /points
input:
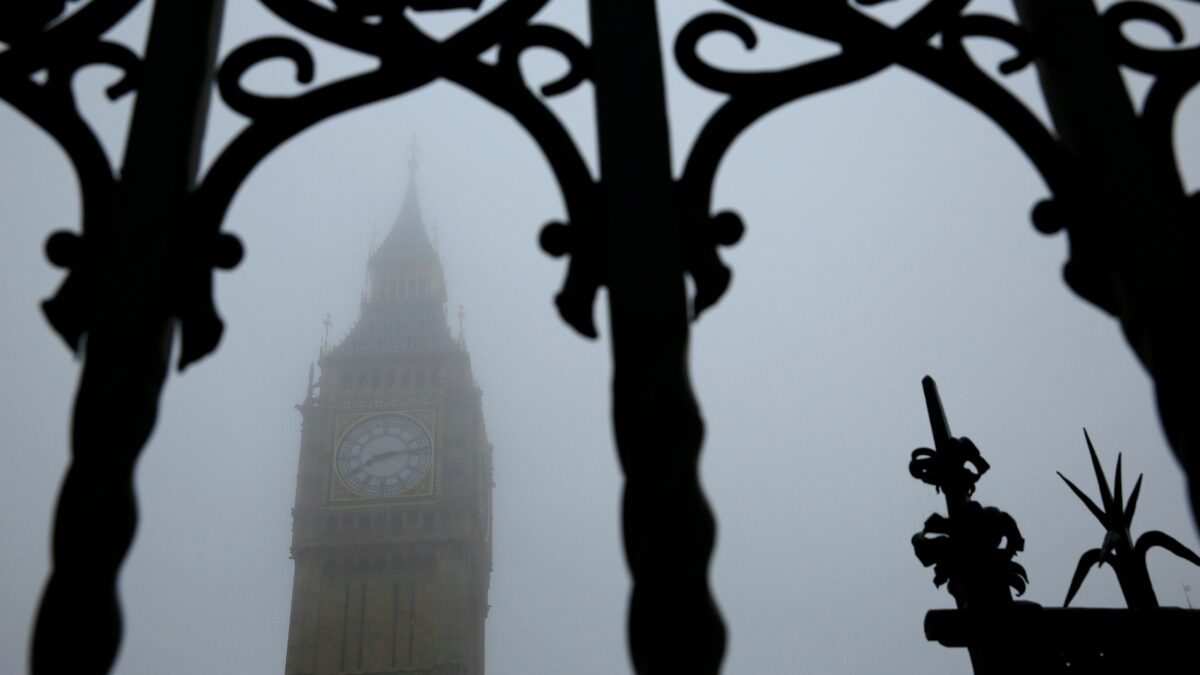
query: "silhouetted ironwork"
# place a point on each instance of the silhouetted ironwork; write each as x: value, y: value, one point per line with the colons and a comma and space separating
x: 151, y: 232
x: 971, y: 548
x: 971, y: 551
x: 139, y: 266
x: 1026, y: 638
x: 1127, y: 557
x: 1114, y: 182
x: 162, y: 274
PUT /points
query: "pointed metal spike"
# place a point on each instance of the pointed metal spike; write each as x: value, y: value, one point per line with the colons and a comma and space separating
x: 1086, y: 561
x: 1087, y: 501
x: 937, y: 414
x: 1105, y: 494
x: 1117, y: 493
x: 1133, y: 497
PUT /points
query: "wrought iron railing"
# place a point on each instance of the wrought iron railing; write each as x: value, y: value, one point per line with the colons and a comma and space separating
x: 150, y: 236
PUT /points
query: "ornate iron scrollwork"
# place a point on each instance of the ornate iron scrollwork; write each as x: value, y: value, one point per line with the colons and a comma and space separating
x: 408, y: 59
x: 971, y: 548
x: 1175, y: 72
x: 39, y: 42
x: 44, y: 40
x: 1104, y: 218
x: 868, y: 47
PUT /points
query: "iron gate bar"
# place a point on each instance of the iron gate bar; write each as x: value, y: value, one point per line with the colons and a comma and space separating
x: 1133, y: 233
x: 137, y: 278
x: 674, y: 626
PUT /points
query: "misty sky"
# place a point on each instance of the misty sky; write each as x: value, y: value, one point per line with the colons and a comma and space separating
x: 888, y: 238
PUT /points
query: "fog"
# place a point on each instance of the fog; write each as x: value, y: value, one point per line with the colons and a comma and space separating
x: 888, y: 238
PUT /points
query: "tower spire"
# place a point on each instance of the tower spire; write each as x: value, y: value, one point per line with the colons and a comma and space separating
x: 403, y: 301
x: 410, y: 210
x: 408, y: 240
x: 405, y: 266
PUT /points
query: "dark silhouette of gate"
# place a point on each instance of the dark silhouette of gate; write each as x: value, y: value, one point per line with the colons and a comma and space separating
x: 141, y: 266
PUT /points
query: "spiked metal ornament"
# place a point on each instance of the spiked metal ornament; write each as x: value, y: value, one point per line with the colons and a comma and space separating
x: 1128, y: 558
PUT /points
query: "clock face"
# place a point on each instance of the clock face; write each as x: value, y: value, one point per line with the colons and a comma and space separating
x: 384, y: 455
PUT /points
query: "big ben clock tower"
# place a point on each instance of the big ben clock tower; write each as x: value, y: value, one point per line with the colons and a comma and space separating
x: 392, y: 522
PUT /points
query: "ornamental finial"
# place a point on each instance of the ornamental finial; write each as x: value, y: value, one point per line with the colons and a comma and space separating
x: 328, y: 322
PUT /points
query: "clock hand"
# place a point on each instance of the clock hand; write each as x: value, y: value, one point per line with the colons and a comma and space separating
x: 390, y: 453
x: 380, y: 456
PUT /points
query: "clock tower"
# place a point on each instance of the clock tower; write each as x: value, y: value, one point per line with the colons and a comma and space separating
x: 392, y: 524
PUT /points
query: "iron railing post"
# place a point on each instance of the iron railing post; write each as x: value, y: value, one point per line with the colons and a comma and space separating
x: 130, y: 316
x: 674, y: 625
x: 1133, y: 242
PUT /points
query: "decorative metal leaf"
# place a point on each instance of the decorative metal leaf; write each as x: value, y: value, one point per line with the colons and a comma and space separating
x: 930, y: 550
x: 1087, y: 501
x: 1018, y: 578
x: 924, y: 467
x: 1089, y: 558
x: 1133, y: 497
x: 1161, y: 539
x: 1117, y: 493
x: 1105, y: 494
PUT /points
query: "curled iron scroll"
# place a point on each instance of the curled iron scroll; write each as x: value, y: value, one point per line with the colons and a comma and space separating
x: 409, y: 58
x: 1175, y: 71
x: 868, y: 46
x: 41, y: 40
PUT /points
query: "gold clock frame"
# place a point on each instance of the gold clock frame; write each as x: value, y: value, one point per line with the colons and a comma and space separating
x: 426, y: 489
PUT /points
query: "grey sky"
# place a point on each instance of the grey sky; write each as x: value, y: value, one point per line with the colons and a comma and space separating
x: 888, y: 238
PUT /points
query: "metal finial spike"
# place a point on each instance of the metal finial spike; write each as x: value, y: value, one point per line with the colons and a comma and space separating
x: 1117, y: 493
x: 937, y: 415
x: 1133, y: 497
x: 1087, y: 501
x: 1105, y: 493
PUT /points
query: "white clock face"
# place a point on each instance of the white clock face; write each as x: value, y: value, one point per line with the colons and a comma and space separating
x: 384, y: 455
